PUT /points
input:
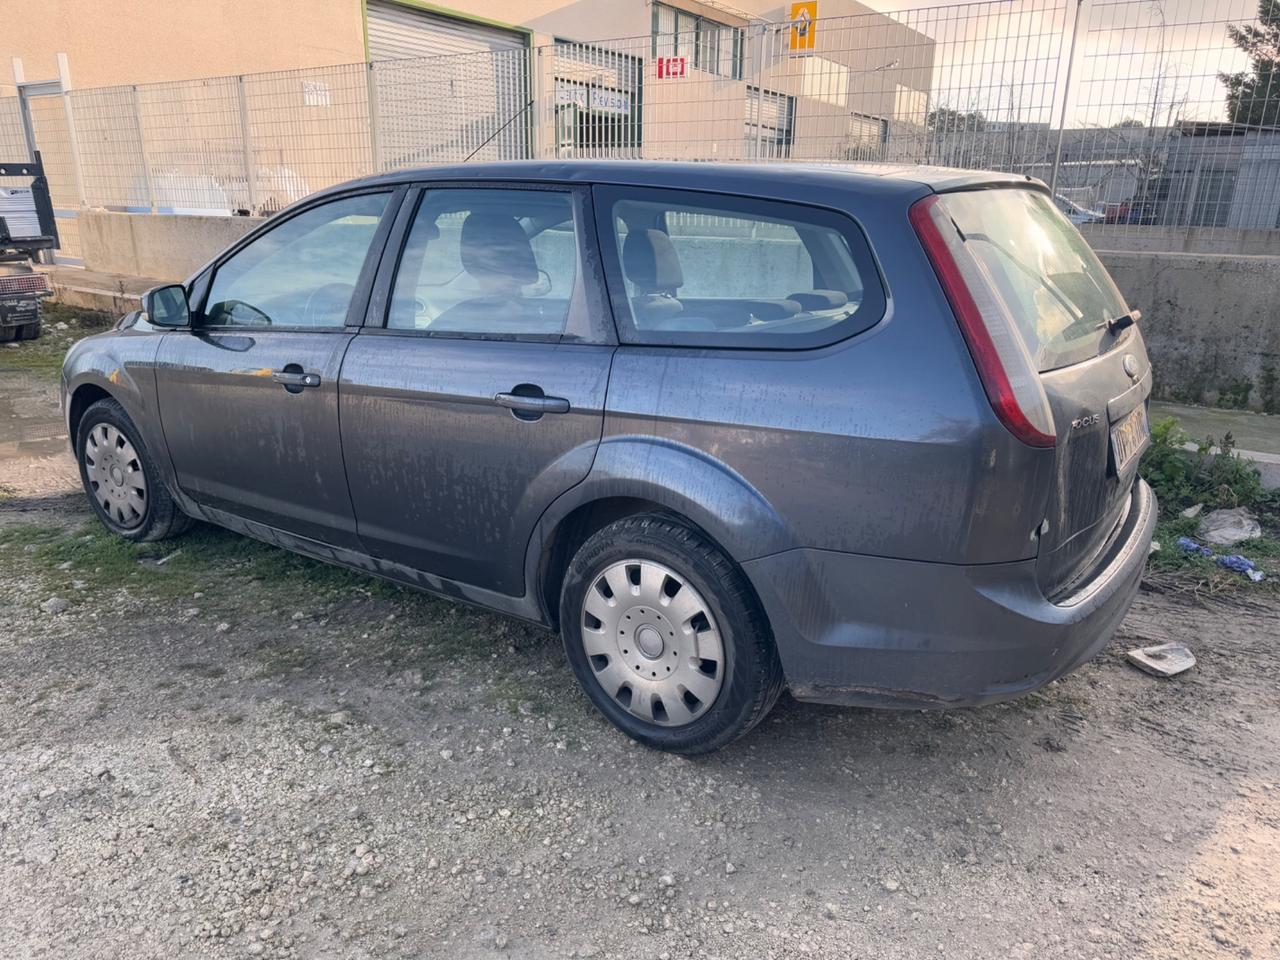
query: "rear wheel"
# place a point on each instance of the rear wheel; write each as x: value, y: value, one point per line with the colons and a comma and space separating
x: 120, y: 478
x: 7, y: 334
x: 29, y: 331
x: 666, y: 636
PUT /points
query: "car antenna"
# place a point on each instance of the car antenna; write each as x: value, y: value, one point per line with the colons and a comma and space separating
x: 527, y: 105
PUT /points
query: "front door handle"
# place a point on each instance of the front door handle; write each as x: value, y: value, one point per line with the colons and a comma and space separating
x: 294, y: 379
x: 532, y: 406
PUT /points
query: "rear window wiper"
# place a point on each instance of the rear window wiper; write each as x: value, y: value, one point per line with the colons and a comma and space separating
x: 1116, y: 324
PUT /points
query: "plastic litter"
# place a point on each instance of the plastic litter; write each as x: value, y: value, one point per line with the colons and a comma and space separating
x: 1234, y: 562
x: 1190, y: 546
x: 1227, y: 527
x: 1193, y: 511
x: 1231, y: 561
x: 1162, y: 660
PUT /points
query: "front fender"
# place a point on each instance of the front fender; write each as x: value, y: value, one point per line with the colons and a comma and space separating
x: 120, y: 363
x: 681, y: 479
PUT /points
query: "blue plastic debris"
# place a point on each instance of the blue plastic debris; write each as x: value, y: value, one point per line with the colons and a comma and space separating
x: 1235, y: 562
x: 1231, y: 561
x: 1190, y: 546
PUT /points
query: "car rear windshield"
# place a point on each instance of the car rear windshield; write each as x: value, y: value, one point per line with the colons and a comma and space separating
x: 1059, y: 293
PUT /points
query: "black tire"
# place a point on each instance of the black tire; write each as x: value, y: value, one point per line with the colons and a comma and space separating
x: 161, y: 517
x: 8, y: 333
x: 29, y: 331
x: 753, y: 676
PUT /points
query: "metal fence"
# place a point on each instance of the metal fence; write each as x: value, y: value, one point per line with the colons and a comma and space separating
x: 1146, y: 115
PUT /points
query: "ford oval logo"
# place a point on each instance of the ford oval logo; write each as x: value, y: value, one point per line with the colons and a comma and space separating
x: 1130, y: 364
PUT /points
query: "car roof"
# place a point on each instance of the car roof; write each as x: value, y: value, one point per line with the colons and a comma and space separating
x: 761, y: 179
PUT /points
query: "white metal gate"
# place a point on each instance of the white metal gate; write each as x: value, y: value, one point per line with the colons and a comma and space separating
x: 397, y: 32
x: 45, y: 115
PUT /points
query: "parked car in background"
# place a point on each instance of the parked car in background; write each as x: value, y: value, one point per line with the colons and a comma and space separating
x: 1076, y: 213
x: 871, y: 436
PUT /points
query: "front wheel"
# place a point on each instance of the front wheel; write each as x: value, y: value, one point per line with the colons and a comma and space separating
x: 666, y: 637
x: 120, y: 479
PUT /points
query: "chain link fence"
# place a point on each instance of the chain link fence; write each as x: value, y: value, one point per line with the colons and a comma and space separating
x: 1147, y: 116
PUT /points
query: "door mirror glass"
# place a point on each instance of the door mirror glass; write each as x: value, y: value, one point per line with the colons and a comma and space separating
x: 167, y: 306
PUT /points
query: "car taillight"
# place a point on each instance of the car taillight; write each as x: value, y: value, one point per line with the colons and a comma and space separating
x: 1008, y: 375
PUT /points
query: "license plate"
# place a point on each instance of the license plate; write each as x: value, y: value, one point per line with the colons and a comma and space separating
x: 1129, y: 437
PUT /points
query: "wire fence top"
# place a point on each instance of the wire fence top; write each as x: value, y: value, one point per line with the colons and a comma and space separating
x: 1170, y: 118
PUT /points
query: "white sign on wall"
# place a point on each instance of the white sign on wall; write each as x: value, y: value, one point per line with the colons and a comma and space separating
x: 597, y: 99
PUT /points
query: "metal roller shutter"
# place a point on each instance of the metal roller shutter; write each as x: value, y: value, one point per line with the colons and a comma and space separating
x: 398, y: 32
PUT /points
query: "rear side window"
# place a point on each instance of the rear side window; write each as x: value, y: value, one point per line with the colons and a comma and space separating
x: 699, y: 269
x: 1057, y: 290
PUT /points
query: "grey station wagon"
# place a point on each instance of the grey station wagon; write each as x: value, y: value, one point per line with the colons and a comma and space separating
x: 868, y: 434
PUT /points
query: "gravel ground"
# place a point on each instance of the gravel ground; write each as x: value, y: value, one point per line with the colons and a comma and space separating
x: 210, y: 748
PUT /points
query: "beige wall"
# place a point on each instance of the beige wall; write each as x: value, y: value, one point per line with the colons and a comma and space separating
x: 111, y: 42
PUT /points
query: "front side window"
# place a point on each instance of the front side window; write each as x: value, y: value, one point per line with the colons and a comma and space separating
x: 302, y: 273
x: 488, y: 262
x: 695, y: 269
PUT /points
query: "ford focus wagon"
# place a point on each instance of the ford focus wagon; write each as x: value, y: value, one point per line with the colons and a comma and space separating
x: 868, y: 435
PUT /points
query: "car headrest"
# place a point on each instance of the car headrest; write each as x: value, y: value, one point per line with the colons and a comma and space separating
x: 650, y: 262
x: 819, y: 299
x: 494, y: 247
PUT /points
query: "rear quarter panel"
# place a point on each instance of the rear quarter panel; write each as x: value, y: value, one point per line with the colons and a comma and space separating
x: 882, y: 444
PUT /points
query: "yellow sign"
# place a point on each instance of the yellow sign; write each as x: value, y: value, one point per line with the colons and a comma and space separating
x: 804, y: 28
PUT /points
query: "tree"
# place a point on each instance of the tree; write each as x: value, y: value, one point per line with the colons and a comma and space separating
x: 1128, y: 123
x: 1254, y: 98
x: 947, y: 120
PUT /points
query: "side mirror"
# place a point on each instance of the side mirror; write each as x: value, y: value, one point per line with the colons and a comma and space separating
x: 167, y: 306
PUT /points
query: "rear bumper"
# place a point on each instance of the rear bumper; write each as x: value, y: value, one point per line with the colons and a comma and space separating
x: 873, y: 631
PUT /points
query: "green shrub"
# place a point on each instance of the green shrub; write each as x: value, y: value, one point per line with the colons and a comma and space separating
x: 1182, y: 477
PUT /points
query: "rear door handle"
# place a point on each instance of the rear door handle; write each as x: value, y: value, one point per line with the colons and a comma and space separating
x: 290, y: 378
x: 535, y: 405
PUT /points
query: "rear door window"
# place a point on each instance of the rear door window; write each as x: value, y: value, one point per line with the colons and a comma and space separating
x: 1055, y: 287
x: 489, y: 263
x: 696, y: 269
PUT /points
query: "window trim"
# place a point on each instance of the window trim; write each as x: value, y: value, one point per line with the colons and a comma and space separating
x: 595, y: 324
x: 869, y: 315
x: 364, y: 281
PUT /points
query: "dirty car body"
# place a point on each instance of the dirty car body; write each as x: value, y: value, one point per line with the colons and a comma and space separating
x: 887, y: 420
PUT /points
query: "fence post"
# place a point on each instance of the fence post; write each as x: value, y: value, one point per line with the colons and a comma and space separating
x: 246, y: 137
x: 759, y: 71
x: 1066, y: 99
x: 73, y: 144
x: 375, y: 126
x: 142, y: 151
x: 537, y: 93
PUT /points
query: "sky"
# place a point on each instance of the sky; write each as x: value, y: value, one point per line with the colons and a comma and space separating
x: 1138, y: 59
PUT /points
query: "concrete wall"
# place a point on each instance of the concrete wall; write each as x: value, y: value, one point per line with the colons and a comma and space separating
x: 162, y: 248
x: 1151, y: 239
x: 1210, y: 323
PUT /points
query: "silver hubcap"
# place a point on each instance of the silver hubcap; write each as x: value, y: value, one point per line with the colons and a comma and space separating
x: 115, y: 475
x: 652, y: 642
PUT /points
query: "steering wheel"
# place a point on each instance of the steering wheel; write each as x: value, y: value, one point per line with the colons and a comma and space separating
x: 327, y: 305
